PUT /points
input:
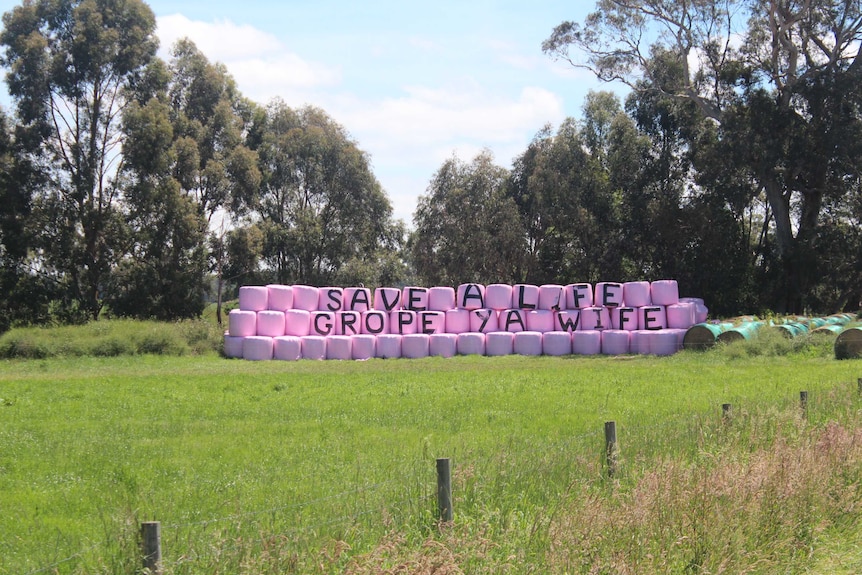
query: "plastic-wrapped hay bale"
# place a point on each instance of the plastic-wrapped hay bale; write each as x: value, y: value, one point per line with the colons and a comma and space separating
x: 233, y: 346
x: 431, y: 322
x: 704, y: 335
x: 471, y: 343
x: 540, y: 320
x: 270, y: 323
x: 441, y: 298
x: 443, y: 344
x: 609, y: 294
x: 363, y: 347
x: 375, y: 322
x: 388, y: 346
x: 403, y: 322
x: 287, y: 348
x: 484, y: 320
x: 253, y: 298
x: 848, y: 344
x: 415, y: 345
x: 551, y: 296
x: 640, y: 342
x: 663, y: 342
x: 280, y: 297
x: 387, y: 299
x: 339, y: 347
x: 297, y: 322
x: 615, y: 342
x: 498, y: 296
x: 242, y: 323
x: 499, y: 343
x: 257, y: 348
x: 305, y: 297
x: 624, y: 318
x: 579, y: 296
x: 525, y: 296
x: 557, y: 343
x: 681, y: 315
x: 356, y: 299
x: 414, y: 298
x: 313, y: 347
x: 457, y: 320
x: 637, y: 294
x: 743, y: 331
x: 587, y: 342
x: 595, y: 318
x: 664, y: 292
x: 470, y: 296
x: 653, y: 317
x: 527, y: 343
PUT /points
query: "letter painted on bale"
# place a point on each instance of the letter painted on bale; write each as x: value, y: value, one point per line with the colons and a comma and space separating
x: 524, y: 304
x: 514, y: 316
x: 348, y: 323
x: 414, y: 299
x: 471, y: 292
x: 334, y: 297
x: 360, y: 296
x: 369, y: 316
x: 390, y: 305
x: 651, y: 322
x: 323, y: 323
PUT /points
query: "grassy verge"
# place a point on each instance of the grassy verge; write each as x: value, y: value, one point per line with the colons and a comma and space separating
x: 328, y: 467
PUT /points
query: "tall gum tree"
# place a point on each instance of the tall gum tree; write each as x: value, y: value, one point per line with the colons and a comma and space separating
x: 68, y: 63
x: 779, y: 77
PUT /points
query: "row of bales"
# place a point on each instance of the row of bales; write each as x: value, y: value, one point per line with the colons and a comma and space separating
x: 848, y: 344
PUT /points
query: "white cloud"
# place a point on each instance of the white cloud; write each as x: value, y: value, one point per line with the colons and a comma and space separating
x: 262, y: 66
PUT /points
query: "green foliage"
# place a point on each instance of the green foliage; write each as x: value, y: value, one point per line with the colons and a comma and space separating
x: 111, y: 338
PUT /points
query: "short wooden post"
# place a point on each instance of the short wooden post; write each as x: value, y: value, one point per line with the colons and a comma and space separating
x: 151, y: 546
x: 444, y: 489
x: 859, y: 385
x: 803, y: 403
x: 726, y: 412
x: 611, y: 446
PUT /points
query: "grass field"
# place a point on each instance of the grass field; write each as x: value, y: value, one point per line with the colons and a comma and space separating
x: 329, y: 467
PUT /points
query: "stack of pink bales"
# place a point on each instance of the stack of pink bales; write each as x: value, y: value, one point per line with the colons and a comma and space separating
x: 291, y: 322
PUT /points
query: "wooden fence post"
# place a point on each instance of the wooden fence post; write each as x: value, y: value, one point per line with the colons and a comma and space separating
x: 803, y: 403
x: 444, y: 489
x: 726, y: 412
x: 611, y: 446
x: 151, y: 546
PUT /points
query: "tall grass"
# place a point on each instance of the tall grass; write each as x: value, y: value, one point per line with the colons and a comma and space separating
x: 328, y: 467
x: 111, y: 338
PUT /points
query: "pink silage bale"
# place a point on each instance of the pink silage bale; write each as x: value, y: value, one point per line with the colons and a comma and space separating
x: 471, y: 343
x: 498, y: 296
x: 587, y: 342
x: 499, y: 343
x: 363, y: 347
x: 287, y: 348
x: 615, y: 342
x: 253, y: 298
x: 443, y: 344
x: 388, y: 346
x: 664, y: 292
x: 280, y: 297
x: 415, y: 345
x: 557, y: 343
x: 242, y: 322
x: 527, y: 343
x: 257, y: 348
x: 441, y: 298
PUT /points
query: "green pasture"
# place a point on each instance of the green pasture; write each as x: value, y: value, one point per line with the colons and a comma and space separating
x: 299, y: 467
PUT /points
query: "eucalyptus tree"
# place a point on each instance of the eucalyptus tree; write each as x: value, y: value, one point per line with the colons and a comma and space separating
x: 779, y: 79
x: 467, y: 226
x: 185, y: 162
x: 570, y: 213
x: 323, y: 214
x: 69, y: 63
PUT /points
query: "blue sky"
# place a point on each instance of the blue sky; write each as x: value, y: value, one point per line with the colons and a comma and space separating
x: 412, y: 83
